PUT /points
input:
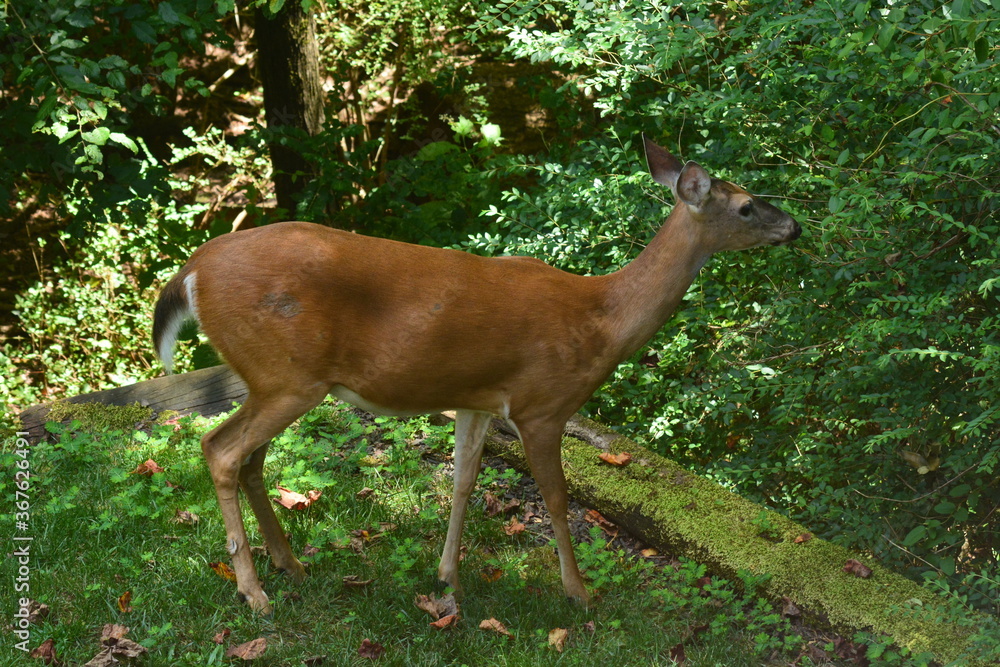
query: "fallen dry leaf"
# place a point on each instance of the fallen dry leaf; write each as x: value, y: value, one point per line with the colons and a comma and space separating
x: 353, y: 581
x: 223, y: 570
x: 803, y: 538
x: 857, y: 568
x: 445, y: 622
x: 112, y: 632
x: 370, y: 649
x: 125, y: 602
x: 677, y: 655
x: 315, y: 660
x: 493, y: 505
x: 596, y: 518
x: 248, y: 651
x: 558, y: 637
x: 650, y: 553
x: 296, y: 501
x: 116, y: 647
x: 186, y: 518
x: 620, y: 459
x: 364, y: 493
x: 789, y: 608
x: 37, y: 611
x: 590, y: 627
x: 147, y: 469
x: 437, y: 607
x: 490, y: 573
x: 46, y: 652
x: 515, y: 527
x: 221, y: 635
x: 495, y: 626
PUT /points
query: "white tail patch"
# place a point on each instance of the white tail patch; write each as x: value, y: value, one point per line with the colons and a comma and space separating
x: 176, y: 322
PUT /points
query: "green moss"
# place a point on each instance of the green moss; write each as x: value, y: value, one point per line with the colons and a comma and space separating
x: 695, y: 517
x: 100, y: 417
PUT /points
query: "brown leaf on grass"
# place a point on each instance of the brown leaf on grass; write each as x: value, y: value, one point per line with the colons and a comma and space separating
x: 558, y: 637
x: 445, y: 622
x: 223, y: 570
x: 590, y: 627
x: 496, y: 626
x: 620, y: 459
x: 250, y: 650
x: 596, y: 518
x: 490, y: 573
x: 371, y: 650
x: 677, y: 655
x: 125, y: 602
x: 147, y: 468
x: 186, y: 518
x: 353, y: 581
x: 493, y: 504
x: 221, y: 635
x: 116, y: 647
x: 37, y: 611
x: 803, y: 538
x: 857, y: 568
x: 364, y: 493
x: 315, y: 660
x: 789, y: 608
x: 46, y: 652
x: 296, y: 501
x: 309, y: 551
x: 112, y: 632
x: 515, y: 527
x: 437, y: 607
x: 649, y: 553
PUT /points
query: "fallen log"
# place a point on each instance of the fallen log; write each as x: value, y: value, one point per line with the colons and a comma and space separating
x: 669, y: 507
x: 207, y: 392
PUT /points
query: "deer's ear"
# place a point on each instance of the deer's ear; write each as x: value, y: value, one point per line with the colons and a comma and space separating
x: 663, y: 166
x: 693, y: 185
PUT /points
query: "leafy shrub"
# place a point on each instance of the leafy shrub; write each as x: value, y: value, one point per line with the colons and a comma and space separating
x: 851, y: 380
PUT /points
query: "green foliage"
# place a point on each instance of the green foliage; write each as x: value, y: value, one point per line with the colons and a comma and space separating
x: 76, y: 78
x: 802, y: 376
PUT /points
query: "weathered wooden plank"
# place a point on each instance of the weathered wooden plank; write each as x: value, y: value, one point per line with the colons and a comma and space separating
x: 208, y: 391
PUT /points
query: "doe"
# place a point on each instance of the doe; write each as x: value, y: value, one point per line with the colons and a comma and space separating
x: 301, y: 311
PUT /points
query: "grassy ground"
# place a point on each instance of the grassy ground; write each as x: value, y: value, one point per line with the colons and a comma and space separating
x: 99, y: 530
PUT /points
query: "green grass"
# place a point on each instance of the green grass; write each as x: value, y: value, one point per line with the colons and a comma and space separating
x: 100, y: 531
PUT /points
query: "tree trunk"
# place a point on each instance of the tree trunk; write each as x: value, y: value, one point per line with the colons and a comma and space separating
x: 288, y: 58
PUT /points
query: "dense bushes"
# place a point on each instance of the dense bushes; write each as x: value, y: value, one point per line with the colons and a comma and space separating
x: 852, y: 380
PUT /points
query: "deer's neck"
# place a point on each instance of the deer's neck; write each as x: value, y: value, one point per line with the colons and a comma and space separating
x: 642, y: 295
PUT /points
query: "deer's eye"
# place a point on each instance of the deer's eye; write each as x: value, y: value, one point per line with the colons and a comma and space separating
x: 746, y: 209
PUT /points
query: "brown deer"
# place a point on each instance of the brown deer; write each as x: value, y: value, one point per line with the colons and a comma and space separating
x: 301, y: 311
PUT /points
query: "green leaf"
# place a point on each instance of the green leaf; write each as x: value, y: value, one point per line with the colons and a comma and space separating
x: 491, y: 134
x: 914, y: 536
x: 836, y: 204
x: 98, y: 136
x: 463, y: 127
x: 167, y: 13
x: 982, y: 49
x: 124, y: 140
x: 144, y: 32
x: 944, y: 507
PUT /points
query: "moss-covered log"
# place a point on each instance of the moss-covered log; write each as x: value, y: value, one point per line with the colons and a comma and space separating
x: 668, y: 507
x: 208, y: 391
